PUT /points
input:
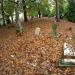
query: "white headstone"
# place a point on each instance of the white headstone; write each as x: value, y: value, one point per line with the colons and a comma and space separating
x: 69, y: 60
x: 68, y: 50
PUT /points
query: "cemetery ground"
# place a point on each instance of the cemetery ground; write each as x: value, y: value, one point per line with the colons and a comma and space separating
x: 32, y: 54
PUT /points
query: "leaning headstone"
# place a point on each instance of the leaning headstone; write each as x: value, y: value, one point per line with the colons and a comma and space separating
x: 37, y: 31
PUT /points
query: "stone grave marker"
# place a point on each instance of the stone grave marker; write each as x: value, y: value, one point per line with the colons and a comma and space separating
x: 67, y: 62
x: 69, y: 52
x: 37, y: 31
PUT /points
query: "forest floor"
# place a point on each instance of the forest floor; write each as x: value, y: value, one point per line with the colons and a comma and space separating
x: 35, y: 55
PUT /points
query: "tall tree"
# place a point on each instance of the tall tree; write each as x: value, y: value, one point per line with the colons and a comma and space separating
x: 18, y: 24
x: 2, y: 10
x: 57, y: 11
x: 24, y: 9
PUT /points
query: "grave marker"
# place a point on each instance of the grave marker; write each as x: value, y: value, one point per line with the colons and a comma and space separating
x: 37, y: 31
x: 69, y: 52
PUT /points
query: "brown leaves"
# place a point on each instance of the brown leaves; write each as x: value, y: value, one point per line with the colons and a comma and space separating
x: 31, y: 54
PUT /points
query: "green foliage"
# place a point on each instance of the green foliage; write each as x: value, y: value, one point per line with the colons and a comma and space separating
x: 46, y: 13
x: 54, y: 29
x: 71, y: 11
x: 9, y: 7
x: 45, y: 8
x: 33, y: 13
x: 61, y: 7
x: 36, y: 6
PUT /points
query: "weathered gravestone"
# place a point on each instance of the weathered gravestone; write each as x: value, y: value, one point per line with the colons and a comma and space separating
x: 37, y: 31
x: 69, y: 52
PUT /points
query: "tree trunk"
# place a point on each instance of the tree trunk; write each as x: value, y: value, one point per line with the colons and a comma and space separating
x: 7, y: 19
x: 3, y: 15
x: 25, y: 12
x: 19, y: 29
x: 57, y: 11
x: 39, y: 13
x: 12, y: 18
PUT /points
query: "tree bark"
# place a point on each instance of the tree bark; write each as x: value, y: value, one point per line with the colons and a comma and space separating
x: 19, y: 29
x: 7, y: 19
x: 25, y: 12
x: 3, y: 15
x: 12, y: 18
x: 57, y: 11
x: 39, y: 13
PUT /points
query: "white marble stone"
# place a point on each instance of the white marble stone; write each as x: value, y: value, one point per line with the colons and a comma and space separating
x: 69, y: 60
x: 68, y: 50
x: 12, y: 56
